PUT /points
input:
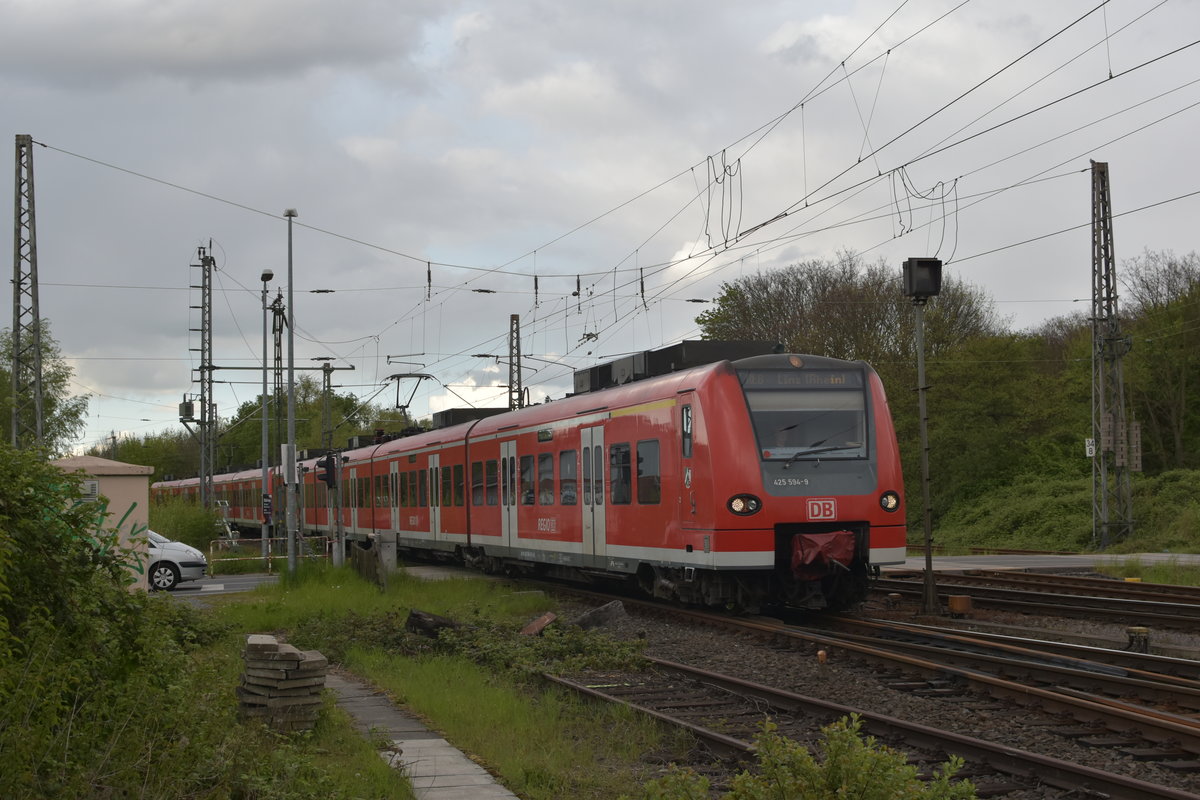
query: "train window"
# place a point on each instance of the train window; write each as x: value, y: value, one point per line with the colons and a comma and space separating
x: 618, y: 476
x: 527, y: 481
x: 434, y: 497
x: 402, y: 493
x: 505, y: 496
x: 395, y: 481
x: 685, y: 428
x: 566, y: 478
x: 364, y: 492
x: 493, y: 497
x: 477, y: 483
x: 587, y: 476
x: 546, y: 479
x: 422, y: 488
x: 598, y: 474
x: 510, y: 475
x: 649, y: 474
x: 414, y: 500
x: 447, y: 490
x: 459, y: 488
x: 802, y: 423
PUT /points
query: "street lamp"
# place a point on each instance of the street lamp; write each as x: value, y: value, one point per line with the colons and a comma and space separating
x: 266, y: 277
x: 923, y: 280
x: 290, y: 459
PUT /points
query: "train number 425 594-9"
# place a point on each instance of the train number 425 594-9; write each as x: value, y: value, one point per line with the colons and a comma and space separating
x: 791, y: 482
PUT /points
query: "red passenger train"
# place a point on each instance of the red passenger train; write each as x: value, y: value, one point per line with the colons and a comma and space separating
x: 767, y: 480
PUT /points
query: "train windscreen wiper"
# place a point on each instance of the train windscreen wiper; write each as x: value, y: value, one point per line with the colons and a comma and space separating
x: 813, y: 450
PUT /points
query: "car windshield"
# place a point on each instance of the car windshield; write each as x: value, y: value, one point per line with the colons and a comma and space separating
x: 157, y: 538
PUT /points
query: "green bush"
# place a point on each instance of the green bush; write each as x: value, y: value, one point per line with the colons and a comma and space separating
x: 852, y: 767
x: 184, y: 521
x: 1055, y: 513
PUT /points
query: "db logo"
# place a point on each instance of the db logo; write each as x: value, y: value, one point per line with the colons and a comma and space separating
x: 822, y: 508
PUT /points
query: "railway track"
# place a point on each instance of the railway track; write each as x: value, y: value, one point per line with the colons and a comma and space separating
x: 1141, y: 707
x: 1058, y: 596
x: 1141, y: 682
x: 724, y: 712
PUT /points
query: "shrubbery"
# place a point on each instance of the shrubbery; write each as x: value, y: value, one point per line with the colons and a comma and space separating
x: 852, y: 766
x: 108, y: 693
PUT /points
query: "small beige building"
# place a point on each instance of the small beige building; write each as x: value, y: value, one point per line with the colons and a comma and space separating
x: 127, y: 489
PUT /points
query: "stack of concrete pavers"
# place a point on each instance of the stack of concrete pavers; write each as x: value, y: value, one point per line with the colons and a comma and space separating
x: 281, y: 684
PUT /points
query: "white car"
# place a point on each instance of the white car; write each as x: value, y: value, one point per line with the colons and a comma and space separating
x: 172, y: 562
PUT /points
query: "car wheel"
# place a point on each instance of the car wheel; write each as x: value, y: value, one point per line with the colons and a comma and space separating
x: 163, y: 575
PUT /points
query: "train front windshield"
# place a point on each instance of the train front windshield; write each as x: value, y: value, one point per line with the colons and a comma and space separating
x: 808, y: 414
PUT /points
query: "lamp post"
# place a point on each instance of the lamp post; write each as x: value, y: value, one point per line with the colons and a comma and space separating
x: 923, y: 280
x: 266, y: 277
x: 290, y: 447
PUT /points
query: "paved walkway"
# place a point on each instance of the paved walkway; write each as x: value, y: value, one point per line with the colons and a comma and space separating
x: 437, y: 770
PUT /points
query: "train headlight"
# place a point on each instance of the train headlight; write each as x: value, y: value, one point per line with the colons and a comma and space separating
x: 744, y: 504
x: 889, y: 501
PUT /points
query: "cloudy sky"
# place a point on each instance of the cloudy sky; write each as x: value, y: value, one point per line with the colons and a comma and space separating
x: 454, y: 162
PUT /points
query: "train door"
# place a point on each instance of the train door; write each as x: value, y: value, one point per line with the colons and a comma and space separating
x: 508, y: 493
x: 593, y: 463
x: 435, y: 498
x: 687, y: 491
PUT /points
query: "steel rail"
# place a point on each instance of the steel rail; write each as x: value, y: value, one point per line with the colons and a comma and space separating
x: 1013, y: 661
x: 1172, y: 615
x: 1128, y: 659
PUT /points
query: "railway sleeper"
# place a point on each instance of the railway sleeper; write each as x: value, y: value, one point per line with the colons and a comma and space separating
x: 1163, y: 754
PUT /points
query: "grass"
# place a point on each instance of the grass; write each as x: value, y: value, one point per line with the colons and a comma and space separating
x: 545, y: 744
x: 476, y: 687
x: 1170, y: 572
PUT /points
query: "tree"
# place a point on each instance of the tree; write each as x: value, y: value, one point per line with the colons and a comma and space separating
x: 175, y: 453
x: 1163, y: 368
x: 848, y: 309
x: 63, y: 416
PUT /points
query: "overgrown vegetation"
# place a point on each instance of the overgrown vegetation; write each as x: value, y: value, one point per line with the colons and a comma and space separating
x: 476, y: 682
x: 183, y: 521
x: 108, y: 693
x: 850, y: 766
x: 1170, y: 572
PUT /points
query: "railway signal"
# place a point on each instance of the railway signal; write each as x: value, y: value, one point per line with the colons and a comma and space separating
x: 923, y: 280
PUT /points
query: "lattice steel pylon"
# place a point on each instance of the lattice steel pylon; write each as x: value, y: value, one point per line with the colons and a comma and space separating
x: 27, y: 406
x: 1116, y: 441
x: 207, y: 436
x: 516, y: 394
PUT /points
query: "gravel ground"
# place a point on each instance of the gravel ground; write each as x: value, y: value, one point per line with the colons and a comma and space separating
x: 854, y: 684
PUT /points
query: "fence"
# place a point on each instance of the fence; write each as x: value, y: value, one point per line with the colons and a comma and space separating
x: 310, y: 547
